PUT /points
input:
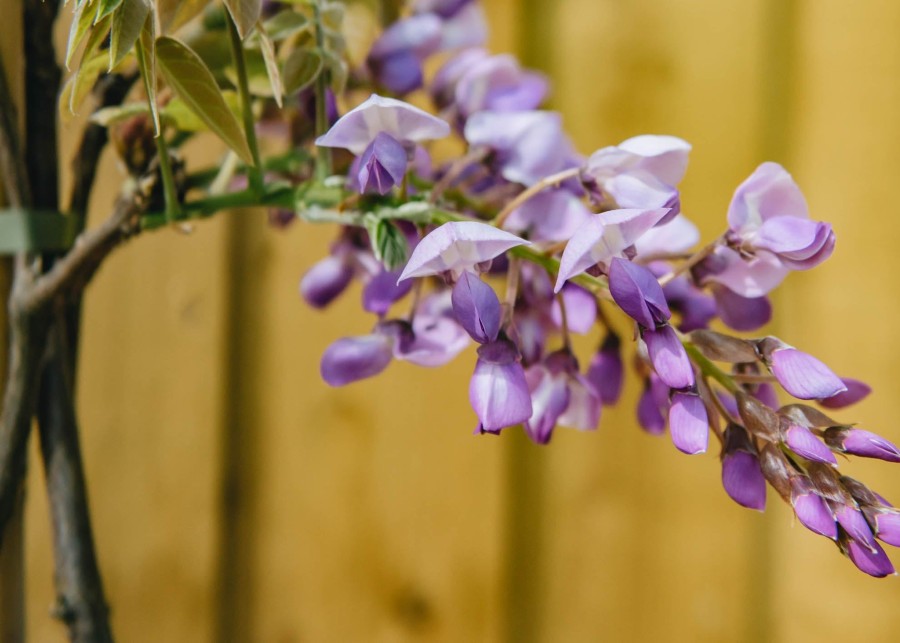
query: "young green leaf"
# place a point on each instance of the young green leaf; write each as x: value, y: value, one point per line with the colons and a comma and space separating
x: 117, y: 113
x: 388, y: 243
x: 105, y: 8
x: 301, y: 69
x: 285, y: 24
x: 82, y: 20
x: 245, y: 13
x: 272, y: 71
x: 175, y: 13
x: 146, y: 52
x: 337, y: 72
x: 79, y: 85
x: 127, y: 23
x: 194, y: 83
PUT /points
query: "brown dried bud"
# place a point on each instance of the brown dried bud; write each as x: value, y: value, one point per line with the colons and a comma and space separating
x: 723, y: 348
x: 777, y: 469
x: 860, y: 492
x: 758, y: 418
x: 828, y: 484
x: 808, y: 416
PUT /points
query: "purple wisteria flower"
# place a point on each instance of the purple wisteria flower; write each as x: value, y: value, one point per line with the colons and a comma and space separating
x: 354, y: 358
x: 802, y: 442
x: 457, y: 247
x: 498, y: 84
x: 603, y: 237
x: 742, y: 476
x: 550, y: 216
x: 606, y: 372
x: 477, y: 308
x: 560, y: 395
x: 396, y: 57
x: 527, y: 145
x: 641, y: 172
x: 801, y: 374
x: 689, y: 423
x: 862, y: 443
x: 498, y: 390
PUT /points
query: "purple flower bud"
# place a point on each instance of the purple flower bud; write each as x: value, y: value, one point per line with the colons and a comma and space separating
x: 689, y: 423
x: 854, y: 523
x: 802, y: 375
x: 742, y: 313
x: 382, y: 291
x: 325, y: 281
x: 767, y: 394
x: 382, y: 165
x: 811, y: 509
x: 498, y: 391
x: 476, y: 308
x: 862, y: 443
x: 669, y: 359
x: 354, y: 358
x: 856, y: 392
x: 581, y: 309
x: 457, y: 247
x: 875, y: 563
x: 499, y: 84
x: 603, y: 237
x: 356, y: 129
x: 652, y: 406
x: 742, y: 477
x: 887, y: 525
x: 606, y: 372
x: 443, y: 85
x: 549, y: 400
x: 637, y: 292
x: 396, y: 57
x: 400, y: 72
x: 802, y: 442
x: 696, y: 308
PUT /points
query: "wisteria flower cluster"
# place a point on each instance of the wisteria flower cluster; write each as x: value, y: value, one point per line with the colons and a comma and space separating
x: 515, y: 243
x: 576, y: 240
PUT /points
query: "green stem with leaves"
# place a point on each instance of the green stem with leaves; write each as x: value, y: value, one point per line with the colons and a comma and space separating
x: 170, y: 193
x: 240, y: 65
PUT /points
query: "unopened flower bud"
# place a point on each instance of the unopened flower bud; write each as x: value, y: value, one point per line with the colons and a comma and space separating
x: 811, y: 509
x: 862, y: 443
x: 689, y: 423
x: 742, y: 477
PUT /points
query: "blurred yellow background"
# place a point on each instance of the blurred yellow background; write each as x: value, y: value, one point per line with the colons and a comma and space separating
x: 236, y: 497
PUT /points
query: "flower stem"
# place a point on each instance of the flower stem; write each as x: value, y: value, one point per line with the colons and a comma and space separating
x: 692, y: 261
x: 540, y: 186
x: 240, y: 65
x: 709, y: 369
x: 170, y: 193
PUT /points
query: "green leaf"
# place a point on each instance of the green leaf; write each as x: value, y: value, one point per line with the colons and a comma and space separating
x: 80, y: 84
x: 175, y: 13
x: 127, y: 23
x: 337, y: 71
x: 388, y: 242
x: 268, y: 54
x: 147, y: 63
x: 112, y: 115
x: 194, y: 83
x: 301, y: 69
x: 245, y: 13
x: 105, y: 8
x: 285, y: 24
x: 81, y: 22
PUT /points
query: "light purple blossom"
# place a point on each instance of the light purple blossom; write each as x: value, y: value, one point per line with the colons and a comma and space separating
x: 396, y: 57
x: 637, y: 292
x: 382, y: 165
x: 875, y: 563
x: 457, y: 247
x: 669, y: 359
x: 754, y: 277
x: 551, y: 215
x: 434, y: 341
x: 862, y: 443
x: 653, y: 405
x: 528, y: 146
x: 856, y: 392
x: 603, y: 237
x: 606, y: 372
x: 499, y: 84
x: 382, y: 291
x: 811, y: 509
x: 443, y: 85
x: 326, y: 280
x: 354, y: 358
x: 498, y: 391
x: 641, y: 172
x: 741, y: 313
x: 802, y: 375
x: 802, y: 442
x: 688, y: 423
x: 675, y: 237
x: 581, y: 309
x: 356, y: 129
x: 560, y: 395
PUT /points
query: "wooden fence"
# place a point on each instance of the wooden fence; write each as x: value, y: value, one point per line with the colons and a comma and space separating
x: 237, y: 498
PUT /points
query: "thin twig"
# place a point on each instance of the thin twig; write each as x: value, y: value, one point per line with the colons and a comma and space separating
x: 540, y: 186
x: 692, y: 261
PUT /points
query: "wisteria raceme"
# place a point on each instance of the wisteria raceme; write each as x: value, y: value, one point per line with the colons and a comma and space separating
x: 521, y: 241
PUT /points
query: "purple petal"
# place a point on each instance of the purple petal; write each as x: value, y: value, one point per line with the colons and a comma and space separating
x: 356, y: 129
x: 583, y: 411
x: 499, y: 84
x: 382, y: 291
x: 458, y: 246
x: 742, y: 313
x: 581, y: 309
x: 603, y: 237
x: 799, y: 243
x: 419, y: 34
x: 552, y: 215
x: 669, y: 359
x: 637, y: 292
x: 382, y: 165
x: 640, y: 189
x: 802, y: 442
x: 856, y: 392
x: 887, y: 526
x: 743, y: 480
x: 812, y: 511
x: 854, y: 523
x: 803, y: 376
x: 436, y: 340
x: 688, y: 423
x: 399, y: 72
x: 769, y: 192
x: 325, y: 281
x: 649, y: 407
x: 354, y: 358
x: 466, y: 27
x: 864, y: 443
x: 549, y: 399
x: 677, y: 236
x: 875, y: 563
x: 753, y: 278
x: 606, y: 371
x: 499, y: 394
x: 477, y: 308
x: 443, y: 85
x: 666, y: 157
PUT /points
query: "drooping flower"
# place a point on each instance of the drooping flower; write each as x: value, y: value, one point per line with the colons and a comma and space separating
x: 382, y: 291
x: 801, y: 374
x: 811, y: 509
x: 862, y: 443
x: 874, y: 563
x: 669, y: 359
x: 560, y: 395
x: 603, y: 237
x: 382, y: 165
x: 326, y: 280
x: 742, y: 476
x: 499, y: 84
x: 354, y: 358
x: 498, y: 390
x: 637, y: 292
x: 689, y: 423
x: 457, y: 247
x: 477, y: 308
x: 641, y: 172
x: 606, y: 372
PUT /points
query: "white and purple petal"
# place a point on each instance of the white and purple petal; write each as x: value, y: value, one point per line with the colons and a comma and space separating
x: 688, y: 423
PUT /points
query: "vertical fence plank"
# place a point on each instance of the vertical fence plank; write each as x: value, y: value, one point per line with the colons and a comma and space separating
x: 846, y: 158
x: 642, y: 543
